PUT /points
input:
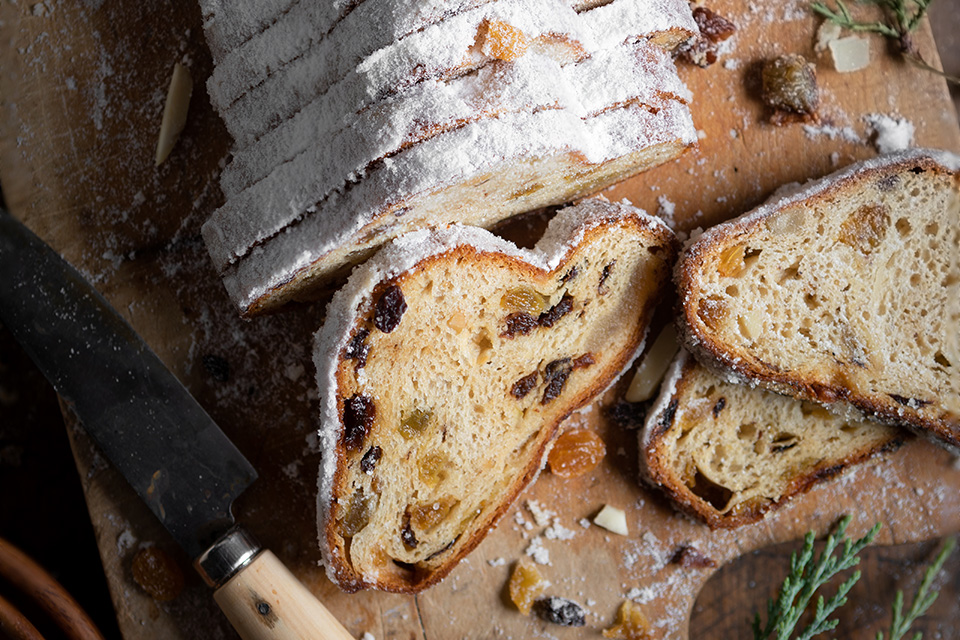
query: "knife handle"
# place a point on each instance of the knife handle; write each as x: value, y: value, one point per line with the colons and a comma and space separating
x: 264, y: 601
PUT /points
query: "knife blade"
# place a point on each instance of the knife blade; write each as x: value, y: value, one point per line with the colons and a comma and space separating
x: 154, y: 432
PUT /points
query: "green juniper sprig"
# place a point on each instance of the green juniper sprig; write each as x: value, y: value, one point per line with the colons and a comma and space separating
x: 805, y: 577
x: 922, y: 600
x: 901, y: 19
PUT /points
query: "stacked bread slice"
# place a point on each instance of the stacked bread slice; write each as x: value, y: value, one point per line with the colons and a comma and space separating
x: 358, y: 121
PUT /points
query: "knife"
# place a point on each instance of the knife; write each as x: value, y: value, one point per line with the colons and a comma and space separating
x: 153, y: 431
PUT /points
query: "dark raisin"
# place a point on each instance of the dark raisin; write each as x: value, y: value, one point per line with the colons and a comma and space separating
x: 688, y: 557
x: 358, y: 415
x: 216, y: 367
x: 370, y: 459
x: 390, y: 308
x: 520, y: 322
x: 569, y: 275
x: 602, y: 287
x: 913, y: 403
x: 718, y: 407
x: 524, y: 385
x: 357, y: 348
x: 555, y: 375
x: 627, y: 415
x: 407, y: 535
x: 560, y: 611
x: 550, y: 317
x: 584, y: 361
x: 446, y: 547
x: 714, y: 29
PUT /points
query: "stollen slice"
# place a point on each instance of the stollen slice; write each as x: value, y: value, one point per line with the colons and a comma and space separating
x: 445, y: 367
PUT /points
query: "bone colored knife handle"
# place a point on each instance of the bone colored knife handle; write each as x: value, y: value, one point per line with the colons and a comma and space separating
x: 264, y: 601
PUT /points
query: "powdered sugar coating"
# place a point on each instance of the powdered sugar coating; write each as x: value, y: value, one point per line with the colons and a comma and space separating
x: 354, y: 300
x: 532, y: 83
x: 442, y: 161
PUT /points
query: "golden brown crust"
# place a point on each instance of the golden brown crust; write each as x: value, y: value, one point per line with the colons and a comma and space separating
x: 831, y: 383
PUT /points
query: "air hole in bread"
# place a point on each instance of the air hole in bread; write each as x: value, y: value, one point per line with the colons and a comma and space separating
x: 706, y: 489
x: 747, y: 432
x: 903, y: 227
x: 941, y: 359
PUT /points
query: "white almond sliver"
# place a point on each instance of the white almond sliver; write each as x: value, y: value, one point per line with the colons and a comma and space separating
x: 174, y: 111
x: 850, y: 54
x: 650, y: 372
x: 612, y: 519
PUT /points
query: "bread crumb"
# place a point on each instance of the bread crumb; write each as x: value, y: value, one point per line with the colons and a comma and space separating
x: 541, y: 515
x: 536, y: 550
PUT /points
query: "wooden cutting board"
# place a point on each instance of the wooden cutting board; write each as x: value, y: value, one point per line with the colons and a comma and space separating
x: 82, y: 88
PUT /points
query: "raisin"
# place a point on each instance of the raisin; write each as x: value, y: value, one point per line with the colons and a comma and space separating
x: 216, y: 367
x: 555, y: 375
x: 714, y: 29
x: 569, y: 275
x: 357, y: 349
x: 359, y: 413
x: 370, y: 459
x: 407, y: 535
x: 390, y: 308
x: 157, y: 574
x: 718, y: 407
x: 427, y: 516
x: 583, y: 361
x: 520, y: 322
x: 602, y: 287
x: 525, y: 585
x: 576, y: 453
x: 790, y: 87
x: 560, y: 611
x: 524, y: 385
x: 688, y: 557
x: 550, y: 317
x: 523, y: 299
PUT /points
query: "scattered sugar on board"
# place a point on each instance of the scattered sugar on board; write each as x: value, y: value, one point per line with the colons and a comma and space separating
x: 541, y: 515
x: 536, y: 550
x: 889, y: 133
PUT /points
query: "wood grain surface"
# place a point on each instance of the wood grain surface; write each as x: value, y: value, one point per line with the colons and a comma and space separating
x: 82, y: 91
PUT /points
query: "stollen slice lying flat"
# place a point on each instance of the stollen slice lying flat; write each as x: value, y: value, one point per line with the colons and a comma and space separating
x: 445, y: 367
x: 844, y: 292
x: 729, y: 453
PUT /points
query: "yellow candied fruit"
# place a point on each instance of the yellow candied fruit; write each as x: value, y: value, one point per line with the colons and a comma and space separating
x: 865, y: 229
x: 731, y: 262
x: 631, y: 624
x: 502, y: 41
x: 526, y: 585
x: 415, y: 423
x: 432, y: 468
x: 524, y: 300
x: 358, y: 514
x: 427, y: 516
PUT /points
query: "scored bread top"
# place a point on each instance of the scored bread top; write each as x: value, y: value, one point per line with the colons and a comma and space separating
x: 728, y: 453
x: 463, y: 385
x: 846, y: 291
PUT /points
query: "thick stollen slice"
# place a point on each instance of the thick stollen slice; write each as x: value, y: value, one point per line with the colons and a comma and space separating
x: 479, y: 175
x: 729, y: 453
x: 445, y: 366
x: 846, y: 292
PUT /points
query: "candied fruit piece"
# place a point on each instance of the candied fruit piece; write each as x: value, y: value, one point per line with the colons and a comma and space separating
x: 526, y: 585
x: 359, y: 513
x: 731, y: 262
x: 415, y: 423
x: 157, y: 574
x: 631, y: 624
x: 502, y: 41
x: 575, y: 453
x: 427, y: 516
x: 790, y: 86
x: 711, y: 312
x: 359, y: 412
x: 524, y: 300
x: 560, y: 611
x: 865, y: 229
x: 390, y: 308
x: 432, y: 468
